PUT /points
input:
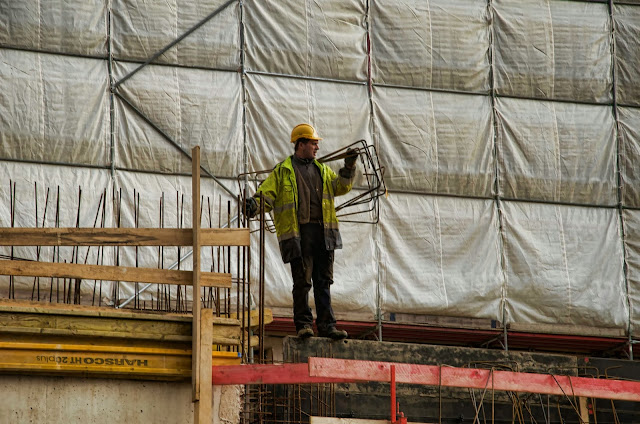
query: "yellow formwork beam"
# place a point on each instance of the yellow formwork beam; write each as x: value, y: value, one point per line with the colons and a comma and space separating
x: 86, y: 341
x: 111, y: 360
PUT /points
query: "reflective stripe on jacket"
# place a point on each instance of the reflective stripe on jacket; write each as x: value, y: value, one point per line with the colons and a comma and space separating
x: 280, y: 193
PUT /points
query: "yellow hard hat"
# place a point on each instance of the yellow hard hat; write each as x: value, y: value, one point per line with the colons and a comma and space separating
x: 304, y: 131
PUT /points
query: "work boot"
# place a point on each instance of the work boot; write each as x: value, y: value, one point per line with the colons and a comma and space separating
x: 305, y: 332
x: 334, y: 333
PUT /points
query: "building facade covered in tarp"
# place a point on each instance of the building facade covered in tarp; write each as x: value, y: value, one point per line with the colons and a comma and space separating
x: 509, y: 131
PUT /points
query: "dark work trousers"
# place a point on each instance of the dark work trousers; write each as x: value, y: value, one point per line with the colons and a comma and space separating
x: 316, y: 264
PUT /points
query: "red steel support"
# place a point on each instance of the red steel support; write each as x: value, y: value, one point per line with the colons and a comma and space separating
x: 394, y: 415
x: 477, y: 378
x: 327, y: 370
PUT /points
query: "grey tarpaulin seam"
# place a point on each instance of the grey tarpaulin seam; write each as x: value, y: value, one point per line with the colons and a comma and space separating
x: 52, y: 52
x: 245, y: 150
x: 112, y: 141
x: 501, y: 239
x: 618, y: 135
x: 305, y: 77
x: 180, y: 66
x: 553, y: 51
x: 372, y: 129
x: 498, y: 96
x: 243, y: 82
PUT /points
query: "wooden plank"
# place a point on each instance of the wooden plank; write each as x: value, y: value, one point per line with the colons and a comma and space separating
x: 255, y: 315
x: 98, y: 326
x: 221, y: 335
x: 203, y: 408
x: 122, y: 237
x: 225, y: 237
x: 25, y: 306
x: 215, y: 279
x: 95, y: 237
x: 476, y: 378
x: 111, y: 273
x: 196, y: 304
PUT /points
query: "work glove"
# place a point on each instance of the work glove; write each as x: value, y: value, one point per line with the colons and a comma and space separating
x: 351, y: 158
x: 250, y: 207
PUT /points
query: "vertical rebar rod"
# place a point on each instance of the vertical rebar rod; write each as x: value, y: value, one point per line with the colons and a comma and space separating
x: 12, y: 216
x: 74, y: 256
x: 261, y: 282
x: 180, y: 205
x: 56, y: 249
x: 239, y: 270
x: 158, y: 291
x: 100, y: 257
x: 116, y: 286
x: 86, y: 257
x: 36, y: 279
x: 136, y: 217
x: 44, y: 223
x: 209, y: 299
x: 219, y: 261
x: 166, y: 291
x: 227, y: 292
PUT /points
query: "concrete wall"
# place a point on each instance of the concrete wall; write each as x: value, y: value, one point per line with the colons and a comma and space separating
x: 66, y: 400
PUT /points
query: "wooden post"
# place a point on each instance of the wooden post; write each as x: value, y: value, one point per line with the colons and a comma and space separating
x: 584, y: 410
x: 195, y: 201
x: 203, y: 409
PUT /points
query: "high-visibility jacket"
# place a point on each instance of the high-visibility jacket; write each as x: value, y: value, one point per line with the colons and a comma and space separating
x: 280, y: 193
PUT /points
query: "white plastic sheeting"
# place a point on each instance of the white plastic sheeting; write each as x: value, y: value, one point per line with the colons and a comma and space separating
x: 53, y: 108
x: 431, y: 44
x: 561, y: 152
x: 435, y: 142
x: 193, y: 107
x: 630, y: 148
x: 141, y: 28
x: 73, y: 27
x: 553, y: 49
x: 340, y: 113
x: 632, y: 245
x: 564, y: 265
x: 507, y: 135
x: 627, y: 24
x: 314, y: 38
x: 444, y: 258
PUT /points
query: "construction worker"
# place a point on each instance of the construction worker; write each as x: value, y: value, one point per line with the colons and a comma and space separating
x: 300, y: 192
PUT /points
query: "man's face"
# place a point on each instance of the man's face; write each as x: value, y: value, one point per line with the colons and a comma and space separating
x: 307, y: 150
